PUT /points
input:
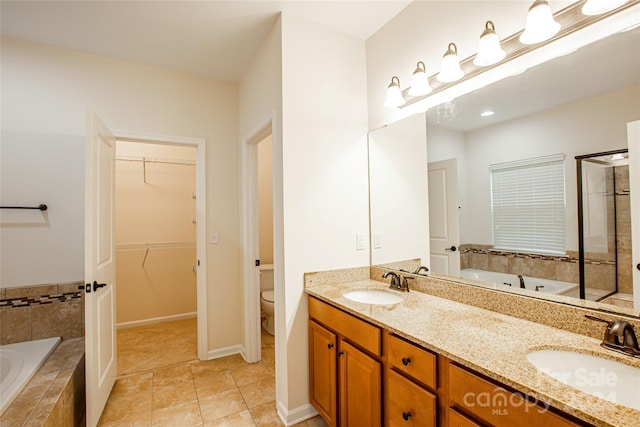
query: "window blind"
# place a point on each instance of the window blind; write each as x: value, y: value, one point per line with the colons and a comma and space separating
x: 528, y: 205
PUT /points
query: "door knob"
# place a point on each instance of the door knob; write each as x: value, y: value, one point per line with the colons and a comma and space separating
x: 406, y: 416
x: 451, y: 249
x: 406, y: 361
x: 97, y: 285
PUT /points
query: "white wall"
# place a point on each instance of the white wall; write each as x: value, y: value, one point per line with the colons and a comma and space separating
x: 397, y: 173
x: 588, y: 126
x: 46, y: 92
x: 324, y: 171
x: 422, y: 32
x: 260, y: 102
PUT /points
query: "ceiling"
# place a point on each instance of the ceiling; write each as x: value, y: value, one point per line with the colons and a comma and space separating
x: 208, y: 37
x: 598, y: 68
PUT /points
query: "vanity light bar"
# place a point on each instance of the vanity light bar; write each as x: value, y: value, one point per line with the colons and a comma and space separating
x: 570, y: 20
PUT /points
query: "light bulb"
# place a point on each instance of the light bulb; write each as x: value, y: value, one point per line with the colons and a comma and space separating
x: 394, y: 95
x: 598, y: 7
x: 489, y: 49
x: 540, y: 25
x: 450, y: 70
x: 420, y: 82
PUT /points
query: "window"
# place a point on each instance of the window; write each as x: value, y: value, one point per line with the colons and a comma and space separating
x: 528, y: 205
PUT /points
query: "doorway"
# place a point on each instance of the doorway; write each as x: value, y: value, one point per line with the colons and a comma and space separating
x: 155, y: 237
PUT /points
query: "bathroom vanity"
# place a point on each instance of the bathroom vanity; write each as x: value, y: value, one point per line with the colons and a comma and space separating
x: 430, y: 361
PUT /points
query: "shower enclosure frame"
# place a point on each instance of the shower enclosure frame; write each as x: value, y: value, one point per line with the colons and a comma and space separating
x: 581, y: 243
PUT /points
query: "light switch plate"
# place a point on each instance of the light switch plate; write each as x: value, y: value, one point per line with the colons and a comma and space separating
x: 213, y: 237
x: 377, y: 240
x: 360, y: 242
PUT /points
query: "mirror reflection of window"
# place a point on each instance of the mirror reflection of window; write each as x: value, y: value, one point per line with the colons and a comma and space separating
x: 528, y: 205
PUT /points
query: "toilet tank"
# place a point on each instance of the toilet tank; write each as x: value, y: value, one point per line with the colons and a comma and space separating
x: 266, y: 277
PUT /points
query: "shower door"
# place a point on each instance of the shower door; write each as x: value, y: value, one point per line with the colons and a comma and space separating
x: 604, y: 223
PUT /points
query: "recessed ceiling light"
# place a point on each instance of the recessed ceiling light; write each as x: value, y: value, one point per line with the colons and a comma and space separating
x: 487, y: 113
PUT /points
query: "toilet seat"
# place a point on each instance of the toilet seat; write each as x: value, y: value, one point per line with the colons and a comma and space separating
x: 268, y: 296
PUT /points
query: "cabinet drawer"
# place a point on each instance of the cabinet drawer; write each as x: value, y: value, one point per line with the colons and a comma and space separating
x: 456, y: 419
x: 497, y: 405
x: 408, y: 404
x: 364, y: 334
x: 414, y: 361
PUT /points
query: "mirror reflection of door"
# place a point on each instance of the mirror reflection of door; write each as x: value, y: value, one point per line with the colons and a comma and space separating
x: 443, y: 217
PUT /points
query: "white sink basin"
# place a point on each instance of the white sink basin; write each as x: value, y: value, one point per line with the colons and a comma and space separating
x: 372, y: 296
x: 604, y: 378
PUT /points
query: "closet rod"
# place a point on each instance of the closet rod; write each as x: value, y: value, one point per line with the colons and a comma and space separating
x: 41, y: 207
x: 156, y: 160
x: 146, y: 246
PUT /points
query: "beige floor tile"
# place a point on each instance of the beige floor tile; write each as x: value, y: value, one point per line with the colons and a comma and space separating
x: 221, y: 405
x: 266, y: 416
x: 133, y: 385
x: 124, y: 406
x: 142, y: 419
x: 234, y: 361
x: 259, y: 393
x: 214, y: 384
x: 268, y: 352
x: 208, y: 367
x: 241, y: 419
x: 173, y: 394
x: 183, y: 415
x: 317, y: 421
x: 145, y: 348
x: 250, y: 373
x: 172, y: 374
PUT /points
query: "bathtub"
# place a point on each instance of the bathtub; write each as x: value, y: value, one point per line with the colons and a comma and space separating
x: 544, y: 285
x: 18, y: 363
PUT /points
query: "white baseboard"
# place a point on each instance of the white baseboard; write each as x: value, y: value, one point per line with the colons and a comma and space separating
x: 225, y: 351
x: 154, y: 320
x: 296, y: 415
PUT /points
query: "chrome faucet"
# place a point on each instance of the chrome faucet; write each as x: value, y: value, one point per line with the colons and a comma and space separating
x: 395, y: 279
x: 419, y: 269
x: 619, y: 336
x: 521, y: 281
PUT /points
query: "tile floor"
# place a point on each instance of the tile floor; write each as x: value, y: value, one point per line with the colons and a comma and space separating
x: 161, y: 383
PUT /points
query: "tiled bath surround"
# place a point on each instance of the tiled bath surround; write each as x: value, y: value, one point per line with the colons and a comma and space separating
x: 55, y: 396
x: 43, y: 311
x: 562, y: 268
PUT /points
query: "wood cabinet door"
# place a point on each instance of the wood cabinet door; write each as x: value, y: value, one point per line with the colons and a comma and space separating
x: 360, y: 388
x: 322, y: 372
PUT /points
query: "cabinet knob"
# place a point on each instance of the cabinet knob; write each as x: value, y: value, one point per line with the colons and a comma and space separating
x: 406, y: 416
x: 329, y: 346
x: 340, y: 353
x: 406, y: 361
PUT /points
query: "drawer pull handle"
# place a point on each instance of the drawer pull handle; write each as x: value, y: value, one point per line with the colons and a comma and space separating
x: 406, y: 416
x: 340, y: 353
x: 406, y: 361
x: 329, y: 346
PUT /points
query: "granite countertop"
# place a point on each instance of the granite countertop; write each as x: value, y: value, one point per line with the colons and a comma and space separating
x: 491, y: 343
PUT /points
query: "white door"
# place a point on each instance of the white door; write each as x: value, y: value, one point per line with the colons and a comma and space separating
x: 444, y: 231
x: 633, y: 131
x: 100, y: 268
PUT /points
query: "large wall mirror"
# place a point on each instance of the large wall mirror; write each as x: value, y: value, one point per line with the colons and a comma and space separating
x: 506, y: 204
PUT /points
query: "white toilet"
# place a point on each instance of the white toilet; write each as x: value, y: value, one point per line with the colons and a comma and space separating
x: 266, y: 297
